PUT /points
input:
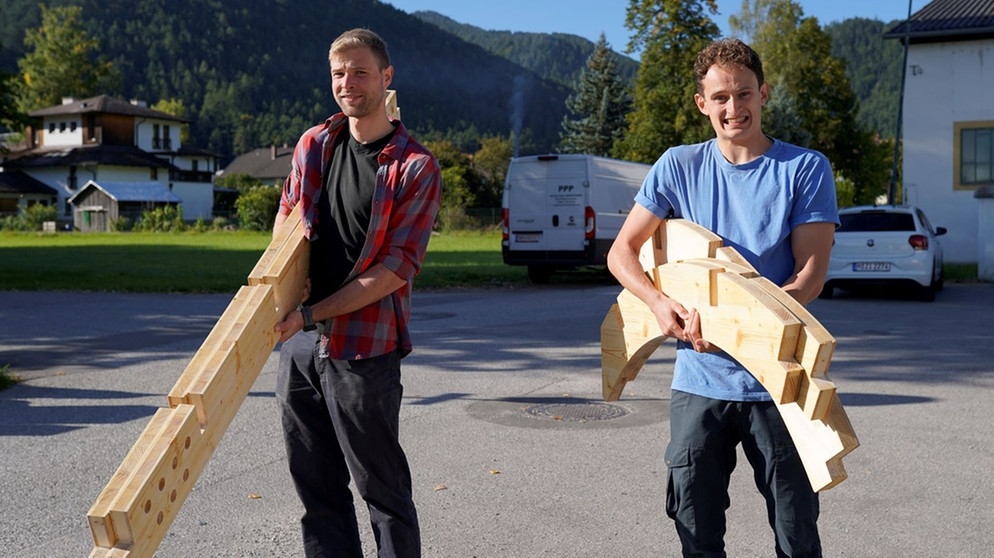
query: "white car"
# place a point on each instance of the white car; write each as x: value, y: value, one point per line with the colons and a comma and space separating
x: 885, y: 245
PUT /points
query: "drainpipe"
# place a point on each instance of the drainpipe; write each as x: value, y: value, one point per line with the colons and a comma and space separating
x: 892, y: 187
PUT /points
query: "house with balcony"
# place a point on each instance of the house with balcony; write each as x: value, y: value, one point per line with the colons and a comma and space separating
x: 103, y: 139
x: 948, y: 118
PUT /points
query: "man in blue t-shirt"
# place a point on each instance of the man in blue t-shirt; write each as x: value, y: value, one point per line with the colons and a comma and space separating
x: 775, y: 203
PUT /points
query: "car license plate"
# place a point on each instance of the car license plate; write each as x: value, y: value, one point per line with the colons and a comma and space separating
x: 871, y: 266
x: 527, y: 237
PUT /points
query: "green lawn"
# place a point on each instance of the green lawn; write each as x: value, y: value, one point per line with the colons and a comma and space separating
x: 218, y: 261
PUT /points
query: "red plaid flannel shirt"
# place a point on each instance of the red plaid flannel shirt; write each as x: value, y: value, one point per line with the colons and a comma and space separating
x: 405, y: 202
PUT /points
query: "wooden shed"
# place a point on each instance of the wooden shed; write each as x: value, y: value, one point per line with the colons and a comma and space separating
x: 97, y: 205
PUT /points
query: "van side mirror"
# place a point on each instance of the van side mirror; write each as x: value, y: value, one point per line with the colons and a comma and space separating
x: 939, y: 231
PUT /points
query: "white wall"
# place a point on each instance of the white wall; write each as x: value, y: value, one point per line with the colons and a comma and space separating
x: 61, y: 138
x: 946, y: 83
x: 145, y: 133
x: 198, y: 200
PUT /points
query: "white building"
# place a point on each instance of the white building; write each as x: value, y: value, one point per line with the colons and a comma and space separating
x: 102, y: 139
x: 948, y: 118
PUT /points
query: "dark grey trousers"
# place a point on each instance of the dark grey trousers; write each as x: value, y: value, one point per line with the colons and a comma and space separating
x: 342, y: 417
x: 701, y: 456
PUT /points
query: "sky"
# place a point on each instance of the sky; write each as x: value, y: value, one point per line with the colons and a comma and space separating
x: 608, y: 17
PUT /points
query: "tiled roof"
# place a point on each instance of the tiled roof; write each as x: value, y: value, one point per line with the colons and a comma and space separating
x: 17, y: 182
x: 267, y: 163
x: 948, y: 20
x: 105, y: 104
x: 131, y: 191
x: 119, y: 155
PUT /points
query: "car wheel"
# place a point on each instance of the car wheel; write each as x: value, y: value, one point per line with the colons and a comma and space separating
x: 927, y: 294
x: 826, y: 292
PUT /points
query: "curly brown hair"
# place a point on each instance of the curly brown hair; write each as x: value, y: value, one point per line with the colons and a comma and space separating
x: 727, y: 53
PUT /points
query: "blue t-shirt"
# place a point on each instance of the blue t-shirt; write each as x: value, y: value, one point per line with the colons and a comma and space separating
x: 753, y: 207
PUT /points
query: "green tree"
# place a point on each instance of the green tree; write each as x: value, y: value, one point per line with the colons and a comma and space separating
x: 257, y: 208
x: 459, y: 180
x: 752, y: 13
x: 62, y: 61
x: 670, y: 34
x: 240, y: 181
x: 10, y: 116
x: 597, y: 108
x: 815, y: 104
x: 490, y: 163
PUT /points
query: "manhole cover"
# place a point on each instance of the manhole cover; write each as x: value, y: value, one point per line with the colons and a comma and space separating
x: 575, y: 412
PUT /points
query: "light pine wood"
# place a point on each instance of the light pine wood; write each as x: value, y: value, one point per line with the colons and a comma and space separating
x: 393, y: 111
x: 133, y: 513
x: 746, y: 315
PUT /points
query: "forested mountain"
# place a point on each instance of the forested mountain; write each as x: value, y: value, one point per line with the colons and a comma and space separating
x: 254, y: 73
x: 556, y: 56
x: 873, y: 66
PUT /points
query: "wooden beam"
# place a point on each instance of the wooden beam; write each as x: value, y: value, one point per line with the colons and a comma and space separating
x: 772, y: 335
x: 133, y: 513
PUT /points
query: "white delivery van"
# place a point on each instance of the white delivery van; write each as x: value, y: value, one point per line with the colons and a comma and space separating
x: 564, y: 211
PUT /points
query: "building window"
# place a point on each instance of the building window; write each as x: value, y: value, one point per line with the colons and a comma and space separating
x: 51, y: 127
x: 167, y: 142
x: 195, y: 165
x: 72, y: 181
x: 156, y: 140
x: 62, y: 126
x: 72, y: 126
x: 973, y: 154
x: 153, y: 173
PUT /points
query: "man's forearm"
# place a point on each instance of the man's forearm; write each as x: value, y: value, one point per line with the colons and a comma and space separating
x: 374, y: 284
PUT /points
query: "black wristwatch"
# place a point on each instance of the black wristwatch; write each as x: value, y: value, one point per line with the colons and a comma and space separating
x: 305, y: 312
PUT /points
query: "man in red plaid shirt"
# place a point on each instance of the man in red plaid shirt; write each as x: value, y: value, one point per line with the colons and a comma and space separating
x: 369, y: 194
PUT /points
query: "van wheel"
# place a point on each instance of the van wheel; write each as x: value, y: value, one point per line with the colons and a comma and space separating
x: 539, y: 275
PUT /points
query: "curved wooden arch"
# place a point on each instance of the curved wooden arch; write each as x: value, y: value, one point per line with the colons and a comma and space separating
x: 756, y: 322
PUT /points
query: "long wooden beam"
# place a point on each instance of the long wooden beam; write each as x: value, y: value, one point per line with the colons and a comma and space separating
x: 133, y: 513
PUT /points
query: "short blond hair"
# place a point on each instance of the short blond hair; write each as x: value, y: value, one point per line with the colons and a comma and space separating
x: 362, y: 38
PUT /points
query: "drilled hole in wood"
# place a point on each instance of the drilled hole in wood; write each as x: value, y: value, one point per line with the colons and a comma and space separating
x: 148, y: 506
x: 158, y: 518
x: 186, y: 444
x: 172, y: 496
x: 175, y: 462
x: 186, y: 474
x: 162, y: 484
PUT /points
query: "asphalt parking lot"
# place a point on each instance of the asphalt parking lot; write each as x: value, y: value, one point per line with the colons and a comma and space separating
x: 500, y: 467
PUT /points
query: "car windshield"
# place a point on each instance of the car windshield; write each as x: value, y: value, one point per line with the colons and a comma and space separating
x: 874, y: 221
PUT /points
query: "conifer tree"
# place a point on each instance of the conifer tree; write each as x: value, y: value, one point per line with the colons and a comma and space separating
x: 670, y: 33
x: 9, y: 115
x: 597, y: 108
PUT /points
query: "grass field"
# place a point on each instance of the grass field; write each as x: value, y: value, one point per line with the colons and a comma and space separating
x: 219, y: 261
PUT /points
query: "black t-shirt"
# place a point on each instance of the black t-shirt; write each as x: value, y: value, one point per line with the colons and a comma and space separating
x: 344, y: 211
